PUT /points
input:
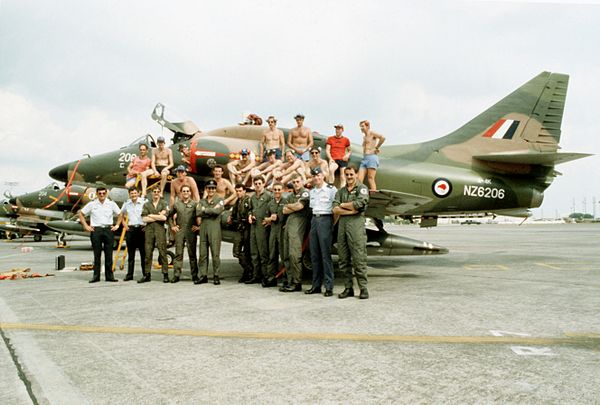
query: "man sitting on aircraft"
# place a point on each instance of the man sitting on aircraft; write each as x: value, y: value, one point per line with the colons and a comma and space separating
x: 266, y: 169
x: 272, y: 139
x: 101, y: 228
x: 183, y: 180
x: 225, y: 189
x: 139, y: 166
x: 184, y: 150
x: 372, y: 141
x: 316, y: 161
x: 338, y: 152
x: 239, y: 170
x: 293, y: 165
x: 162, y: 162
x: 300, y: 139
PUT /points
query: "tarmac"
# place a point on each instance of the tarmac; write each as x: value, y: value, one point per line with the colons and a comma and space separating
x: 510, y: 315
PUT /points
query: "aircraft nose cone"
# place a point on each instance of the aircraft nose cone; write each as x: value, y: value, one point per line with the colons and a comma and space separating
x: 60, y: 173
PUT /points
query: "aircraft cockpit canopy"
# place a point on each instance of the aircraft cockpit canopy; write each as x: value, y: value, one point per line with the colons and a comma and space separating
x: 146, y: 139
x: 183, y: 129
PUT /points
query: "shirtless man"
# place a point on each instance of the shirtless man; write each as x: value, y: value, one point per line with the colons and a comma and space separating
x: 267, y: 168
x: 300, y: 139
x: 185, y: 153
x: 239, y: 170
x: 372, y: 141
x: 225, y: 189
x: 162, y: 161
x: 183, y: 180
x: 140, y: 165
x: 292, y: 166
x: 272, y: 139
x: 316, y: 161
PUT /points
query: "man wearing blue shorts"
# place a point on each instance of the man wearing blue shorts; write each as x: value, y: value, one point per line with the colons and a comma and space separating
x: 372, y: 141
x: 300, y: 139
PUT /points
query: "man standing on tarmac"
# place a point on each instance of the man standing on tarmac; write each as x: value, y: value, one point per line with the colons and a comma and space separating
x: 101, y: 228
x: 154, y: 214
x: 259, y: 233
x: 182, y: 218
x: 239, y: 221
x: 208, y: 213
x: 296, y: 208
x: 134, y: 231
x: 275, y: 222
x: 350, y: 204
x: 321, y: 230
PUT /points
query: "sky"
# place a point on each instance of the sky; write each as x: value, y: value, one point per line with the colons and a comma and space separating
x: 83, y: 77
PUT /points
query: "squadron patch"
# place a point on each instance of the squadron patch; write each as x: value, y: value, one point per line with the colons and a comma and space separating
x: 211, y: 163
x: 364, y: 191
x: 305, y: 194
x: 441, y: 187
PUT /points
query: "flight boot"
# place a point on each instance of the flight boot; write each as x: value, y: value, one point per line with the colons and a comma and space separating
x: 364, y: 294
x: 144, y: 279
x: 348, y: 292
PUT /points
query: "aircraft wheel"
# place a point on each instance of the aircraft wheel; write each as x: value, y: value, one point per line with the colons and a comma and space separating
x: 170, y: 258
x: 37, y: 238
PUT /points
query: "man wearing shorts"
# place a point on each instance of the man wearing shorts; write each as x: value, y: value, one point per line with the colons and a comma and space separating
x: 372, y: 141
x: 338, y: 151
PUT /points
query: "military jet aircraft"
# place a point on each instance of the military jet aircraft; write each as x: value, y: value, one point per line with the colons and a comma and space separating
x: 500, y: 162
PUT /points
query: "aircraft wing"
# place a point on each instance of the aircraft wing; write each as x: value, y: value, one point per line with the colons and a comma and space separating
x: 388, y: 202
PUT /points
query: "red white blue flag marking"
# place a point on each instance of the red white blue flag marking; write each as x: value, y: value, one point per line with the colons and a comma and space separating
x: 502, y: 129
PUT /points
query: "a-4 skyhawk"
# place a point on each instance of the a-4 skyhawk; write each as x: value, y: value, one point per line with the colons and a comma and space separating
x: 500, y: 162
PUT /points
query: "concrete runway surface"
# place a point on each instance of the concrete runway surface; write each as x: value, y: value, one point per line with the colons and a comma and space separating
x: 510, y: 315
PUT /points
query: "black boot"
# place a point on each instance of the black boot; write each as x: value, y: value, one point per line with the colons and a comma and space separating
x: 144, y: 279
x: 165, y: 277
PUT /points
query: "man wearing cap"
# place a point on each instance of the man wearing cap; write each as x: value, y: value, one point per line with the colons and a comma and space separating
x: 239, y: 170
x: 300, y: 139
x: 208, y: 213
x: 372, y: 141
x: 182, y: 222
x: 181, y: 180
x: 338, y: 151
x: 267, y: 168
x: 321, y: 229
x: 297, y: 210
x: 316, y: 161
x: 134, y: 231
x: 272, y: 139
x: 259, y: 233
x: 154, y: 214
x: 350, y: 205
x: 140, y: 166
x: 293, y: 165
x: 101, y: 212
x: 162, y: 162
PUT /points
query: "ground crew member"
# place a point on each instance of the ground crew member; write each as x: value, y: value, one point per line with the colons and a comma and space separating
x: 296, y: 208
x: 372, y: 141
x: 321, y: 230
x: 259, y: 233
x: 350, y: 204
x: 275, y: 221
x: 154, y: 214
x: 182, y: 221
x: 134, y: 231
x: 101, y: 228
x: 208, y: 213
x: 239, y: 222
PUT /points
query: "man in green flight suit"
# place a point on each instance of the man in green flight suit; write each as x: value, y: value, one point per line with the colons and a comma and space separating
x: 275, y: 221
x: 350, y: 204
x: 259, y: 233
x: 208, y: 212
x: 154, y: 215
x: 182, y: 221
x: 297, y: 210
x: 239, y: 222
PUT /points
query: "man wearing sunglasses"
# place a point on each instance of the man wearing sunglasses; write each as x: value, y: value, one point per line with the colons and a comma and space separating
x: 316, y: 161
x: 101, y: 212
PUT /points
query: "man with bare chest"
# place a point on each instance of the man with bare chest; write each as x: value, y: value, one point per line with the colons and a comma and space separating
x: 225, y: 189
x: 300, y: 139
x: 239, y: 170
x: 272, y: 139
x: 316, y: 161
x: 372, y: 141
x: 183, y: 180
x: 162, y: 162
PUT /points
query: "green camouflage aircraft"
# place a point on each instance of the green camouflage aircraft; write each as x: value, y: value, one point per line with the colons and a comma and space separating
x: 500, y: 162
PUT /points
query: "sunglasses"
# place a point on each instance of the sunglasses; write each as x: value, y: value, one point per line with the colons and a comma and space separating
x: 271, y: 122
x: 314, y: 153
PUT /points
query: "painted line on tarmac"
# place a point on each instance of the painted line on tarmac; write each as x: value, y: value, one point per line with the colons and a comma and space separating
x: 572, y: 339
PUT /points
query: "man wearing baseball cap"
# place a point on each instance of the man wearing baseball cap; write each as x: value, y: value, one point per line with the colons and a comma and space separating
x: 182, y: 180
x: 338, y: 151
x: 300, y: 139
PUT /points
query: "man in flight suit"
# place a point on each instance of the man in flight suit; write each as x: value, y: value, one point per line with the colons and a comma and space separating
x: 259, y: 233
x: 239, y: 221
x: 275, y: 221
x: 208, y: 212
x: 154, y: 214
x: 350, y: 204
x: 182, y: 221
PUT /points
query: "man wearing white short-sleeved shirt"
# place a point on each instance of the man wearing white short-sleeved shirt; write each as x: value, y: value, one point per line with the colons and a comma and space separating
x: 101, y: 212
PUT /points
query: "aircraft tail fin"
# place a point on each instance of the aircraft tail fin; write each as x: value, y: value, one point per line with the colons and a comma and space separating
x: 524, y: 128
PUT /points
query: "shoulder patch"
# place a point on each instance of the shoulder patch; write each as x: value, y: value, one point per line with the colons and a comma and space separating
x: 221, y: 202
x: 330, y: 185
x: 304, y: 194
x: 364, y: 191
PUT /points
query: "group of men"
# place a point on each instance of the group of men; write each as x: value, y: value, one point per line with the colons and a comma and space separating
x: 271, y: 226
